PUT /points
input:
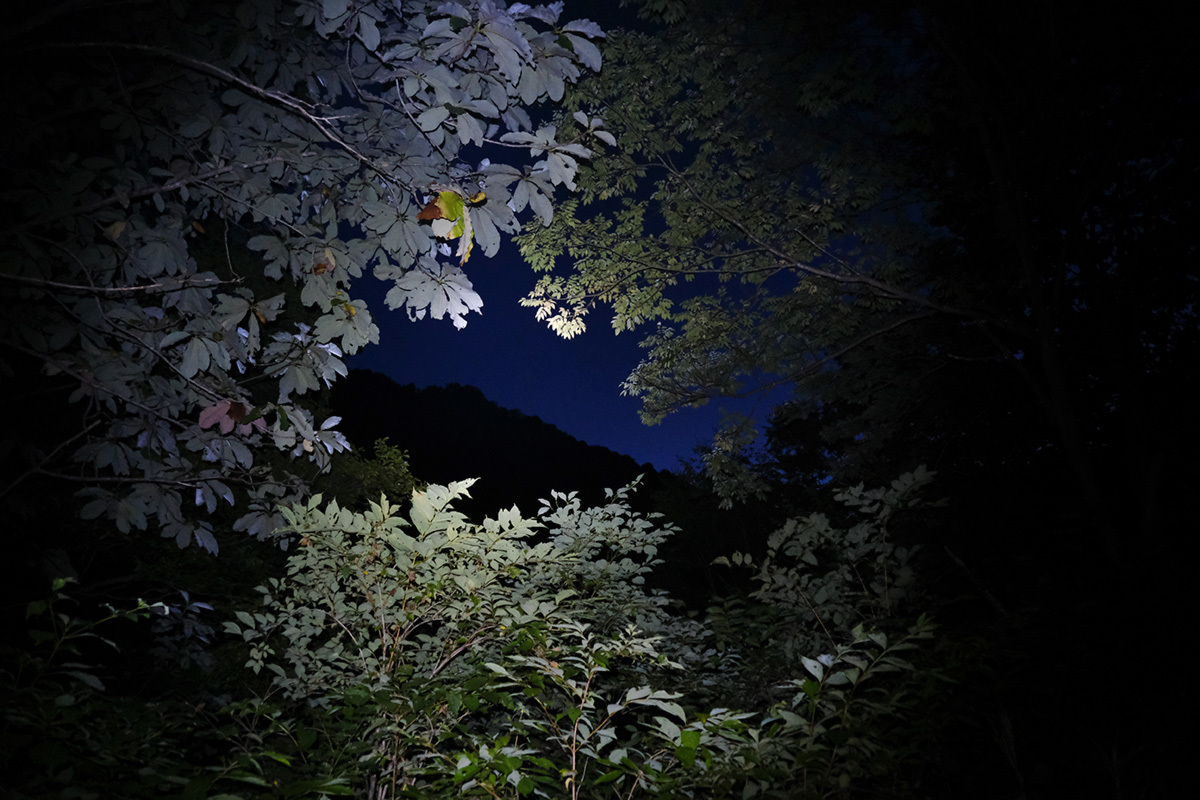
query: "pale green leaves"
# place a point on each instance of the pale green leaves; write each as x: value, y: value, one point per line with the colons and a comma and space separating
x: 432, y: 118
x: 855, y: 576
x: 594, y: 128
x: 578, y: 35
x: 437, y: 289
x: 431, y: 511
x: 259, y: 130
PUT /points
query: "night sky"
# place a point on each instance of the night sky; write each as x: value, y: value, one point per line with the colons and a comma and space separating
x: 521, y: 364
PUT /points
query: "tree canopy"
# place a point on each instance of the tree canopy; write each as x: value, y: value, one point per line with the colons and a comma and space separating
x: 935, y: 243
x: 905, y: 228
x: 943, y: 234
x: 189, y: 199
x: 762, y: 204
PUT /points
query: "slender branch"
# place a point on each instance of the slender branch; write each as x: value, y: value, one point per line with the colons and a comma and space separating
x: 137, y: 194
x: 116, y: 331
x: 293, y: 104
x: 188, y: 283
x: 188, y: 483
x: 853, y: 277
x: 251, y: 208
x: 456, y: 652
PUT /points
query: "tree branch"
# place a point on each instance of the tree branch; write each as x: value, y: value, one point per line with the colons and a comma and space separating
x: 137, y: 194
x: 116, y: 290
x: 293, y: 104
x: 853, y: 277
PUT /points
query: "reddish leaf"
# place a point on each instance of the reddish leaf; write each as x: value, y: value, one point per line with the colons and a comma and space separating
x: 213, y: 414
x: 431, y: 211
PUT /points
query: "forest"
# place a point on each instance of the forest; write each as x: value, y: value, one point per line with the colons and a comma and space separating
x: 943, y: 245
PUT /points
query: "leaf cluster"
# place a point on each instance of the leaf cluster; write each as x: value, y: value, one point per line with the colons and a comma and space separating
x: 524, y: 657
x: 183, y: 228
x: 413, y: 653
x: 760, y: 213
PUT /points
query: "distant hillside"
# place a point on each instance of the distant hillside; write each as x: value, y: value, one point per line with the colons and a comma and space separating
x: 454, y: 432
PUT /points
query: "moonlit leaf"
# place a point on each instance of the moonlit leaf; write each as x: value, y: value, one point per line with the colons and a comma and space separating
x: 431, y: 118
x: 170, y: 330
x: 588, y: 53
x: 368, y: 31
x: 334, y: 8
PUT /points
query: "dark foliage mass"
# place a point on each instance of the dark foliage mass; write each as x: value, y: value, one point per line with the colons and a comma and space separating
x: 452, y: 432
x: 958, y: 235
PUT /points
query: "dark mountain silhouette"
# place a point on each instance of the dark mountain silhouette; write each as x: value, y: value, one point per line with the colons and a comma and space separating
x: 454, y: 432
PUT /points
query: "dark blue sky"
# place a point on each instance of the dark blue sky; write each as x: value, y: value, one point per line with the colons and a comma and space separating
x: 519, y: 363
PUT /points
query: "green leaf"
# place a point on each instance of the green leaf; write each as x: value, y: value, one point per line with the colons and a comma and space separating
x: 197, y: 788
x: 86, y: 678
x: 332, y: 9
x: 368, y: 31
x: 429, y: 119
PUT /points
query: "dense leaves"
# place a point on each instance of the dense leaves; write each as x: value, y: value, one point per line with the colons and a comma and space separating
x: 409, y: 652
x: 753, y: 205
x: 147, y: 160
x: 908, y: 235
x: 947, y: 233
x: 557, y: 673
x: 920, y: 231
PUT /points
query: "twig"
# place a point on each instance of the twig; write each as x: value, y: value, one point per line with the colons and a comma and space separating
x: 187, y: 283
x: 137, y: 194
x: 289, y: 102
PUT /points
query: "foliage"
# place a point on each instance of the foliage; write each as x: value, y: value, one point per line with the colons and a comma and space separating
x: 309, y: 134
x: 431, y: 609
x: 355, y: 479
x: 823, y: 580
x: 62, y: 732
x: 849, y: 727
x: 954, y: 234
x: 525, y: 656
x: 751, y: 206
x: 855, y: 215
x: 183, y: 233
x: 389, y: 599
x: 419, y: 654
